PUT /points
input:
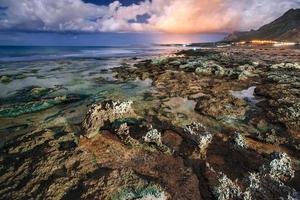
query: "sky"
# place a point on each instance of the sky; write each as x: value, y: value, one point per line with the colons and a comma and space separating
x: 69, y: 19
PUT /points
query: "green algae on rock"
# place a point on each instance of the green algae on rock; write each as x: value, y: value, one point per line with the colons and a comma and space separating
x: 30, y: 107
x: 39, y: 91
x: 5, y: 79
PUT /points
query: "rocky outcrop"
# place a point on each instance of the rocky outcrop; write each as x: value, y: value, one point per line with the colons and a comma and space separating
x: 187, y: 136
x: 107, y: 111
x: 267, y: 183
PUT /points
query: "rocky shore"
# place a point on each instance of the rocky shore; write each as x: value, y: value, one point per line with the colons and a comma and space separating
x: 218, y: 123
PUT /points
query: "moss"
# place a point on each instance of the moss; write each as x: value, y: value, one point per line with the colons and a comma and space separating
x: 5, y: 79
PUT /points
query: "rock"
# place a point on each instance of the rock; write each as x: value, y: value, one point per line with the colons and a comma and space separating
x: 65, y: 145
x: 222, y: 107
x: 197, y: 132
x: 283, y: 104
x: 5, y: 79
x: 159, y: 61
x: 239, y: 141
x: 286, y: 66
x: 210, y: 68
x: 226, y: 189
x: 123, y: 133
x: 107, y: 111
x: 153, y: 136
x: 172, y: 140
x: 39, y: 91
x: 191, y: 65
x: 196, y: 96
x: 175, y: 63
x: 142, y: 193
x: 280, y: 168
x: 246, y: 71
x: 265, y: 184
x: 177, y: 83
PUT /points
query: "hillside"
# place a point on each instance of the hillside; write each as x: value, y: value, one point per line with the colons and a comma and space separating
x: 285, y: 28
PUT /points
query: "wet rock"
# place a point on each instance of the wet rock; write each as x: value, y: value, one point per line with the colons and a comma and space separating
x: 107, y: 111
x: 5, y: 79
x: 222, y: 107
x: 39, y: 91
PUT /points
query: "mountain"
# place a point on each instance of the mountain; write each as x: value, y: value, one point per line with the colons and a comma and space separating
x: 285, y: 28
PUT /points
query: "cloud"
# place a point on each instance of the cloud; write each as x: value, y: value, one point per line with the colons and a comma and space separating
x: 176, y: 16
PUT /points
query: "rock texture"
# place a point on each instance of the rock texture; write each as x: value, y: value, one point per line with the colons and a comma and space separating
x: 219, y: 123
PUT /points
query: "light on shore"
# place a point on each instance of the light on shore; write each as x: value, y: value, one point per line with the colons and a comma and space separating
x: 266, y: 42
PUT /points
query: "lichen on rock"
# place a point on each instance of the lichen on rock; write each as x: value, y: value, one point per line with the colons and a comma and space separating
x: 280, y: 168
x: 123, y: 133
x: 286, y: 66
x: 265, y: 184
x: 198, y: 133
x: 239, y: 141
x: 226, y: 189
x: 153, y: 136
x: 211, y: 68
x: 107, y: 111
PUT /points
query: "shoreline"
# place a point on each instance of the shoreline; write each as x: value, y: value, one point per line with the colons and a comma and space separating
x: 196, y: 125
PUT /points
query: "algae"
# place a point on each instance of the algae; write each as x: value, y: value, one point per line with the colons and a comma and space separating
x: 30, y: 107
x: 5, y: 79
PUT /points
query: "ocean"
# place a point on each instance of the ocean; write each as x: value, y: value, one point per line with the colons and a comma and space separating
x: 31, y: 53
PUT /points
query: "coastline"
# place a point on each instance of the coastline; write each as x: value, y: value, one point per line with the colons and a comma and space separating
x: 199, y: 120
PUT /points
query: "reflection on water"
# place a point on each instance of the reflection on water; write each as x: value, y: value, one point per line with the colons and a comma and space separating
x: 247, y: 94
x: 41, y: 94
